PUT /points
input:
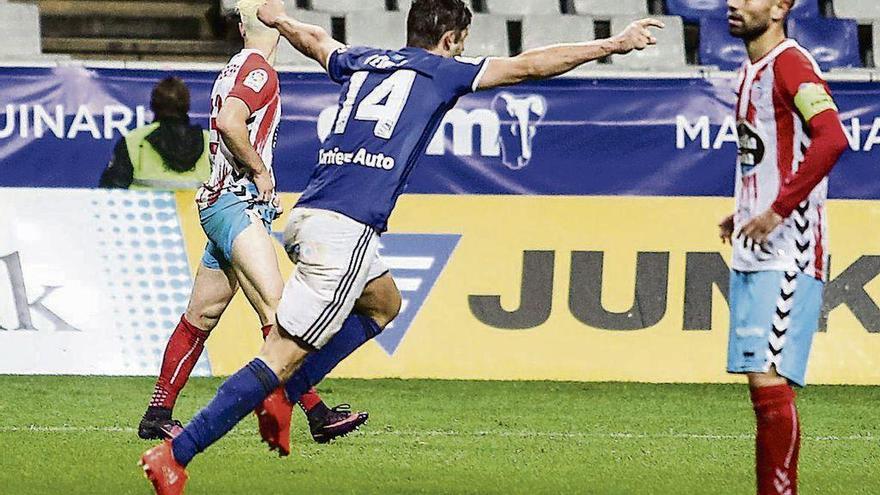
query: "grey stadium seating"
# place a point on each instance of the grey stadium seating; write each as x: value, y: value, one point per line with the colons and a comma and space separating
x: 608, y: 8
x: 523, y: 7
x: 345, y: 6
x: 876, y: 30
x: 500, y: 27
x: 287, y: 54
x: 541, y: 30
x: 858, y: 9
x: 488, y: 36
x: 376, y: 29
x: 669, y: 52
x: 20, y: 25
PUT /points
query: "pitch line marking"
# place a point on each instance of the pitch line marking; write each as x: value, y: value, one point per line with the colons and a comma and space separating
x: 477, y: 434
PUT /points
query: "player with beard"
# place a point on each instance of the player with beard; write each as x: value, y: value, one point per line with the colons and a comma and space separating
x: 790, y: 137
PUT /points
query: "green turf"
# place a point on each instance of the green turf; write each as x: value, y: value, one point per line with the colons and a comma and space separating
x: 72, y: 435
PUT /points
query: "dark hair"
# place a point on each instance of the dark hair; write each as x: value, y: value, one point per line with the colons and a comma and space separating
x: 428, y: 20
x: 170, y: 98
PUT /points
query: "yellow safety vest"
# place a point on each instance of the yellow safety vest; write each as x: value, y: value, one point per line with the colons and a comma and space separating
x: 150, y: 172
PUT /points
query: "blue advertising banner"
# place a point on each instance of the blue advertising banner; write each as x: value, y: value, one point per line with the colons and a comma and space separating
x: 644, y: 137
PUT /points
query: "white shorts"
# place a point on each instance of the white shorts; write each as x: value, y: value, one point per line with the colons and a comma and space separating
x: 336, y: 257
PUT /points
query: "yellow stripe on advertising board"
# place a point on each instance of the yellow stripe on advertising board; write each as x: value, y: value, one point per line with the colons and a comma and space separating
x: 456, y: 331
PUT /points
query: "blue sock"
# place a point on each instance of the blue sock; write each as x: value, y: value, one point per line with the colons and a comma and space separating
x: 235, y: 399
x: 355, y: 332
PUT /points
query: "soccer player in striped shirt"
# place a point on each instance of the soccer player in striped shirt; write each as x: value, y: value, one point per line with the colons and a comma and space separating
x: 237, y: 206
x: 790, y: 137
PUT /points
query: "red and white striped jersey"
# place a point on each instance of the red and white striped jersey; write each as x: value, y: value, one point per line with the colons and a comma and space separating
x: 773, y: 137
x: 249, y: 77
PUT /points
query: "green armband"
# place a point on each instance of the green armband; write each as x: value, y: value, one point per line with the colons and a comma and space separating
x: 812, y: 99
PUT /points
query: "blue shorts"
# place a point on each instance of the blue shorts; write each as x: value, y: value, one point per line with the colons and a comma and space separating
x: 224, y: 221
x: 773, y: 316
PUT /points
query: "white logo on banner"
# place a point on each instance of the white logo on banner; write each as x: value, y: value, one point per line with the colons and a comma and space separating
x: 103, y: 301
x: 39, y: 121
x: 507, y: 130
x: 863, y: 134
x: 516, y: 141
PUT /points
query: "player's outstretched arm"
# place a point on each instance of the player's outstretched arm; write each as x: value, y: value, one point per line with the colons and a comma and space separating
x: 550, y: 61
x: 232, y: 126
x: 312, y: 41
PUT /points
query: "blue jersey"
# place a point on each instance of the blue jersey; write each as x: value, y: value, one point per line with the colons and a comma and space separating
x: 392, y: 103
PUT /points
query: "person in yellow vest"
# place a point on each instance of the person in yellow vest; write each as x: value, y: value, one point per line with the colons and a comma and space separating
x: 169, y: 154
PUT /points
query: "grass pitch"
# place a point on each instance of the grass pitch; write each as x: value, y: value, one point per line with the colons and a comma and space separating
x: 73, y: 435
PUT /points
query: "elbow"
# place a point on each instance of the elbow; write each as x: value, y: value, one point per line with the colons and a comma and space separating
x: 225, y: 124
x: 321, y: 35
x: 840, y: 143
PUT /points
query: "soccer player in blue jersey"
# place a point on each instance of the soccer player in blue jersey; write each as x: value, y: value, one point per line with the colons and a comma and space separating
x: 341, y: 294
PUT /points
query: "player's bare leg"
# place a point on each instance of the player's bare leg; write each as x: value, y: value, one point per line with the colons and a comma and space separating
x: 256, y: 267
x: 380, y: 301
x: 212, y: 291
x: 777, y: 443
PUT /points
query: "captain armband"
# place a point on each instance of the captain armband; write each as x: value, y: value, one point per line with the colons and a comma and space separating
x: 813, y: 99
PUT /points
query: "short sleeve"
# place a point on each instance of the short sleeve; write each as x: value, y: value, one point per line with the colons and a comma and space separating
x: 256, y: 84
x: 801, y: 84
x: 345, y: 61
x: 459, y: 76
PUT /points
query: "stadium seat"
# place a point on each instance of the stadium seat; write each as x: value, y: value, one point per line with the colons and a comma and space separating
x: 346, y: 6
x: 695, y: 10
x: 858, y: 9
x: 876, y: 30
x: 718, y: 47
x: 522, y: 7
x: 287, y: 54
x: 488, y: 37
x: 667, y: 54
x: 541, y: 30
x: 376, y: 29
x: 610, y: 8
x: 833, y: 42
x: 20, y: 25
x: 806, y: 8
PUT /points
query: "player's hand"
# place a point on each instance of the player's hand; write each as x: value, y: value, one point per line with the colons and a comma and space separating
x: 725, y: 230
x: 758, y: 229
x: 265, y: 187
x: 636, y: 36
x: 271, y: 12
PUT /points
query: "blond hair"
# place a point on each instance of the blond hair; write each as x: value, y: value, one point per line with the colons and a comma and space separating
x: 247, y: 11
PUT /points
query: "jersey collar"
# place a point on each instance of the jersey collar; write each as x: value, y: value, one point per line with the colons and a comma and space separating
x: 772, y: 54
x: 252, y: 51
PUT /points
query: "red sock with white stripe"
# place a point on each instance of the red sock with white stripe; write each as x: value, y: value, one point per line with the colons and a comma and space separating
x: 310, y: 402
x: 778, y: 440
x: 181, y: 354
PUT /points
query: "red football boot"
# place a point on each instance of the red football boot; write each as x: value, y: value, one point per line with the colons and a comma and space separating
x: 167, y: 476
x: 273, y: 416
